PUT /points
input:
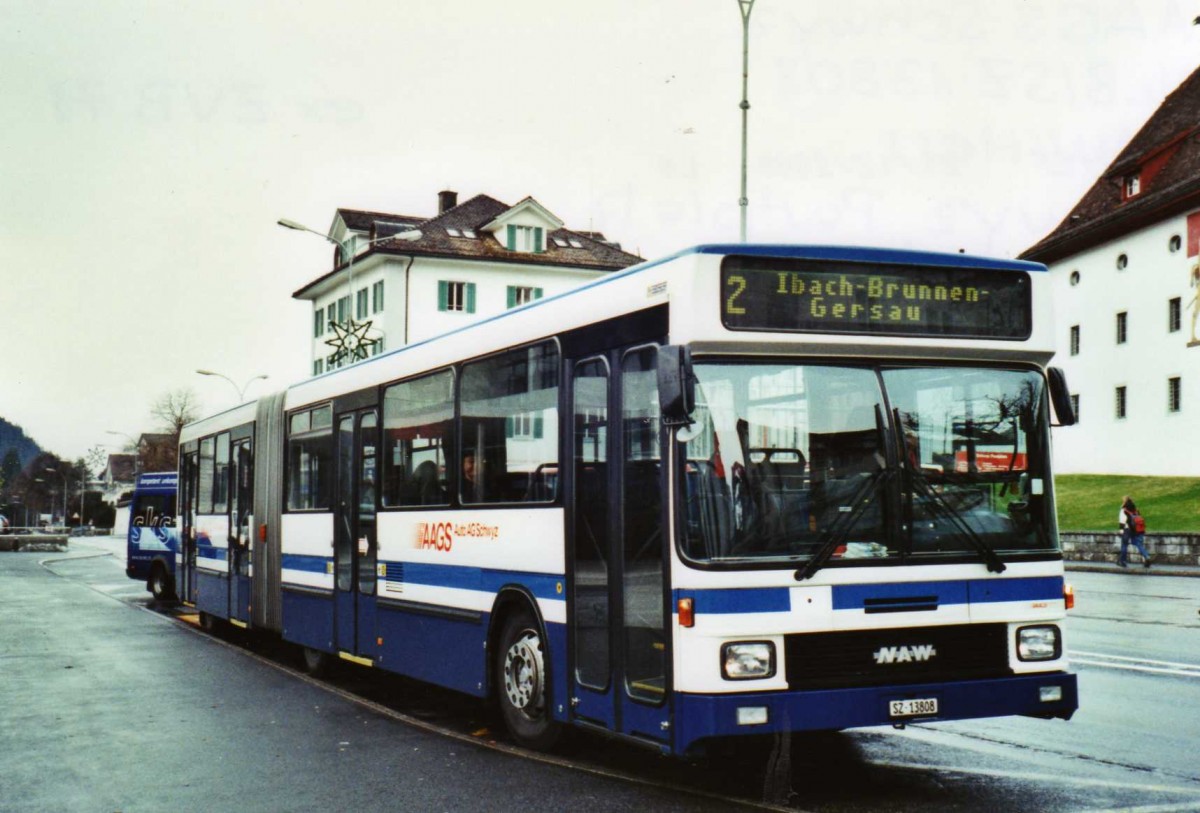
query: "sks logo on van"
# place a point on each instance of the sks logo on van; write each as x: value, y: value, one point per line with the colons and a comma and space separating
x: 441, y: 535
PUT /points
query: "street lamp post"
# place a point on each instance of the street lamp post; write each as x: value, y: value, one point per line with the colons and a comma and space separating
x: 241, y: 391
x: 64, y: 479
x: 745, y: 6
x: 83, y: 493
x: 350, y: 328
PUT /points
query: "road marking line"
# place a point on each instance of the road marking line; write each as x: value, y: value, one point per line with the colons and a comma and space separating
x: 138, y: 587
x: 1153, y: 808
x: 1034, y: 776
x: 1181, y: 806
x: 1194, y: 672
x: 1134, y: 660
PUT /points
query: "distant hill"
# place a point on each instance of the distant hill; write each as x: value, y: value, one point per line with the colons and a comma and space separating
x: 14, y: 437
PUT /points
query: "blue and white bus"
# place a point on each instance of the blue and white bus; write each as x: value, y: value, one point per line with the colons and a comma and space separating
x: 152, y: 542
x: 745, y: 489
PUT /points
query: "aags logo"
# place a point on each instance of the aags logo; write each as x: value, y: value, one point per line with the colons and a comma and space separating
x: 436, y: 535
x: 904, y: 654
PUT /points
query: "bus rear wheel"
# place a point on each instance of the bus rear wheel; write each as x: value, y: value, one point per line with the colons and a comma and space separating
x: 521, y: 683
x: 316, y: 662
x: 161, y: 585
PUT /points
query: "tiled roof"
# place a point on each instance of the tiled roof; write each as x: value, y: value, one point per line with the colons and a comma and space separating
x: 435, y: 241
x: 360, y: 220
x: 122, y: 467
x: 1165, y: 155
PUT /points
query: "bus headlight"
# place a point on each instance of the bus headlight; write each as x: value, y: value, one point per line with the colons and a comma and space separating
x: 748, y: 660
x: 1039, y: 643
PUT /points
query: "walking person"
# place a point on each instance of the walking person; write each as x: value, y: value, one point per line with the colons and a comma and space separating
x: 1133, y: 530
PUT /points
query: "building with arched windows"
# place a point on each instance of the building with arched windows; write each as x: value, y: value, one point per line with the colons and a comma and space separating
x: 1126, y: 268
x: 414, y: 277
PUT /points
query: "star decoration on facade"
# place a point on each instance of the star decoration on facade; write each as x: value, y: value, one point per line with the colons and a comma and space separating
x: 349, y: 343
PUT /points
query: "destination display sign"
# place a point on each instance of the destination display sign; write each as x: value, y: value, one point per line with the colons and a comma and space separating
x: 833, y: 296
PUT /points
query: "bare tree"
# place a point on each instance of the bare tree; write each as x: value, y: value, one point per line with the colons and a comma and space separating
x: 95, y: 459
x: 174, y: 410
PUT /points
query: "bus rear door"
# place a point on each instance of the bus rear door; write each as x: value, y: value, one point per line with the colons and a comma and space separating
x: 355, y: 546
x: 185, y: 562
x: 240, y: 507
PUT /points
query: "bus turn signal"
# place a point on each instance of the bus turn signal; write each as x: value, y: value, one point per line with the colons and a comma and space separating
x: 687, y: 618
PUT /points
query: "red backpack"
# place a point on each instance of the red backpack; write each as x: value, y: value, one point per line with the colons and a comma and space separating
x: 1139, y: 524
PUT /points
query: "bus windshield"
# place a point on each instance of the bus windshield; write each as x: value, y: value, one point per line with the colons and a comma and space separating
x: 788, y: 462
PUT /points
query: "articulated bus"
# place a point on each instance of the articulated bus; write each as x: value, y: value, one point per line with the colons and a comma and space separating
x: 746, y: 489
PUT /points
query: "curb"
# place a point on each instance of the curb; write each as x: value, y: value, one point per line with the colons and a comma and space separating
x: 1186, y: 571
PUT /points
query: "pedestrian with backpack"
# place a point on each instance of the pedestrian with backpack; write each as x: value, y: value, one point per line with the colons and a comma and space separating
x: 1133, y: 530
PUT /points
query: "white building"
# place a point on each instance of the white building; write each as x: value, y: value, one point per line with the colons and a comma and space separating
x: 416, y: 277
x: 1125, y: 264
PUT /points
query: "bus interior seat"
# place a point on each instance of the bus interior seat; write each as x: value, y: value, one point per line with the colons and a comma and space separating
x: 426, y: 488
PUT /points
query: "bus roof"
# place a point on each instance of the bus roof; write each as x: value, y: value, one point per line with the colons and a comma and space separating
x: 864, y: 254
x: 314, y: 388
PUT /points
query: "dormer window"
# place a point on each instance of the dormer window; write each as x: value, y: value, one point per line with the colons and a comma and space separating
x: 1133, y: 185
x: 526, y: 239
x: 454, y: 232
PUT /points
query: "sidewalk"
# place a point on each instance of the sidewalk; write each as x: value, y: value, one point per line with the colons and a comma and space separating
x: 1135, y: 568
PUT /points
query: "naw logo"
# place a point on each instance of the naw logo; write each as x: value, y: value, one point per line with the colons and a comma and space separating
x: 904, y: 654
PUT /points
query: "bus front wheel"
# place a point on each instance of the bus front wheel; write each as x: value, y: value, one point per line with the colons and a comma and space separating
x: 521, y: 683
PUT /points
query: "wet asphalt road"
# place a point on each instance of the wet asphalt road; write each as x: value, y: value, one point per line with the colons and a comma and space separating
x: 109, y: 705
x: 110, y: 708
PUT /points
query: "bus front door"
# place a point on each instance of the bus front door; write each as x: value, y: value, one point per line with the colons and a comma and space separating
x: 619, y: 677
x: 355, y: 550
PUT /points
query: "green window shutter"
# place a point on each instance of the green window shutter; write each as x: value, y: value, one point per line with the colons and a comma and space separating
x: 537, y: 293
x: 537, y: 240
x: 512, y: 238
x: 508, y: 427
x: 538, y: 427
x: 470, y: 297
x: 512, y: 295
x: 443, y: 294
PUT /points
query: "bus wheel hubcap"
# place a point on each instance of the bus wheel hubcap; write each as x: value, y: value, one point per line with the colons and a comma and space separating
x: 523, y: 671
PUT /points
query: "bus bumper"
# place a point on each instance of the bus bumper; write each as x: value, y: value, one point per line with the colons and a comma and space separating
x: 699, y: 717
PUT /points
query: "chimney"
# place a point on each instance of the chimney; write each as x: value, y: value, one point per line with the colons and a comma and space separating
x: 447, y: 200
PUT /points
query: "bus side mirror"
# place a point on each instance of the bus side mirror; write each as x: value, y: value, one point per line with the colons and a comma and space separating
x: 1060, y: 396
x: 676, y: 386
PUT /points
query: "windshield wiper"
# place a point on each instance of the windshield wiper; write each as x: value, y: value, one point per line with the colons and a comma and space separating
x: 994, y: 563
x: 840, y: 531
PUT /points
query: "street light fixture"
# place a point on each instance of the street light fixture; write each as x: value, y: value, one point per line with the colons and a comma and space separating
x: 126, y: 435
x: 241, y: 391
x: 351, y: 335
x: 745, y: 6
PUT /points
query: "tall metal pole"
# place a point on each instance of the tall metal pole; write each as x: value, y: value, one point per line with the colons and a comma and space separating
x: 745, y: 6
x: 64, y: 479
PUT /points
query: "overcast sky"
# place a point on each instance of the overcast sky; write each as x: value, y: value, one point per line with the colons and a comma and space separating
x: 147, y: 149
